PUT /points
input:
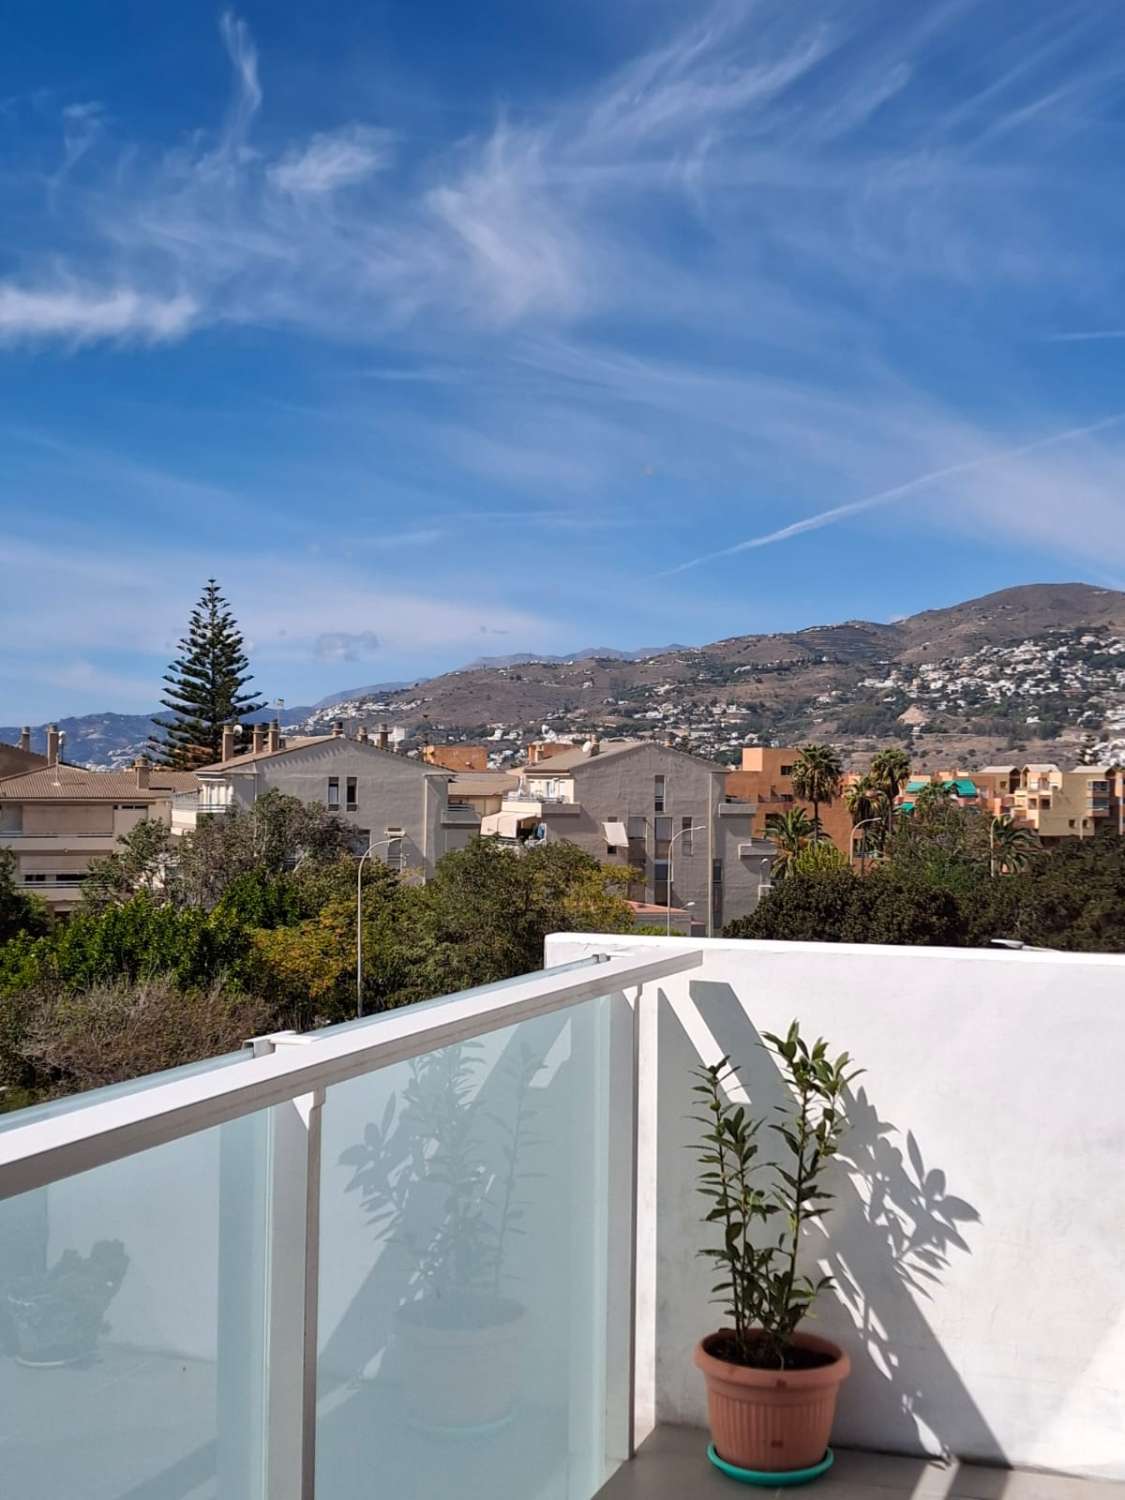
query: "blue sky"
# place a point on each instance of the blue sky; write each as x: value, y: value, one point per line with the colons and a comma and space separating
x: 438, y: 331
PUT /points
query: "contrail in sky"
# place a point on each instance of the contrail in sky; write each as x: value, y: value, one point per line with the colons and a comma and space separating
x: 870, y: 502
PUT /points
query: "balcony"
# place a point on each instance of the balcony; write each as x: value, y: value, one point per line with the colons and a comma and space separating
x: 271, y: 1226
x: 185, y: 811
x: 30, y: 842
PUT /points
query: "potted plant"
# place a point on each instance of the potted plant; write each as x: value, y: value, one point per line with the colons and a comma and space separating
x: 59, y: 1314
x: 771, y: 1389
x: 443, y: 1181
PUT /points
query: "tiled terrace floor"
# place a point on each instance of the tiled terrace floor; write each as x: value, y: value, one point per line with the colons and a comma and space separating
x: 672, y: 1465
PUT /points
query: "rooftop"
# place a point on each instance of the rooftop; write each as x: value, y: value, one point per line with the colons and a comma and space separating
x: 574, y: 760
x: 62, y: 783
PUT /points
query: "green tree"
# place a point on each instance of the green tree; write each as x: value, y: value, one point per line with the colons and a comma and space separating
x: 486, y: 912
x: 205, y: 685
x: 789, y: 832
x: 19, y: 912
x: 888, y: 773
x: 140, y: 863
x: 274, y: 834
x: 866, y: 802
x: 1012, y: 847
x: 816, y: 779
x: 817, y: 859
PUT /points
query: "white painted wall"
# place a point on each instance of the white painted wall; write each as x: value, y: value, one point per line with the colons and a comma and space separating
x: 979, y: 1236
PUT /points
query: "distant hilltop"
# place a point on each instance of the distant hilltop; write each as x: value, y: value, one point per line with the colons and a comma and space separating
x: 1040, y: 666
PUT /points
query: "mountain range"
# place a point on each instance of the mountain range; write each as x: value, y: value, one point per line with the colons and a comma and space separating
x: 1039, y: 666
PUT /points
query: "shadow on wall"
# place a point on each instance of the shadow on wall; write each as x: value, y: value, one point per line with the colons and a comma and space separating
x: 887, y: 1243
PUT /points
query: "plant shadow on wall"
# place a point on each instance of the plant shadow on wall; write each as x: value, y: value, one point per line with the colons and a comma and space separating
x: 894, y: 1230
x: 443, y: 1179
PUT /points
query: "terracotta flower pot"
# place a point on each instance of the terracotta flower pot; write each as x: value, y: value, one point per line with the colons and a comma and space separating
x: 772, y: 1420
x: 461, y: 1366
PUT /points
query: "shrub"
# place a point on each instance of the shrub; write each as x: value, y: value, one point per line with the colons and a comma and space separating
x: 71, y: 1041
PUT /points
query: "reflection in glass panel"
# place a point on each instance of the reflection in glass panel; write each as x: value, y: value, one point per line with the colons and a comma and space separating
x: 472, y: 1312
x: 131, y: 1325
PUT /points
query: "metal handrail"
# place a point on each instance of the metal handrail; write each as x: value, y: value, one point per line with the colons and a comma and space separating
x: 93, y: 1135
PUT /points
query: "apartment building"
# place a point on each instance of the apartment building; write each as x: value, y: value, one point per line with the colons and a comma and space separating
x: 58, y: 818
x: 664, y: 812
x: 766, y: 778
x: 15, y: 759
x: 395, y: 803
x: 1057, y: 804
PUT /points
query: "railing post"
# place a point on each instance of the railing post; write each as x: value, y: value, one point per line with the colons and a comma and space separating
x: 292, y: 1287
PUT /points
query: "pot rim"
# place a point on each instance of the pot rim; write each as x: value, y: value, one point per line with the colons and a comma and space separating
x: 747, y: 1375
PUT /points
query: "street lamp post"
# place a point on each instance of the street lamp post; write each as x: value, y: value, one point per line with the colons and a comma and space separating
x: 378, y: 844
x: 697, y: 828
x: 851, y: 841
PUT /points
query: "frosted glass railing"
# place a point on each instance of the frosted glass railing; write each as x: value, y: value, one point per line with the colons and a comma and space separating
x: 392, y: 1261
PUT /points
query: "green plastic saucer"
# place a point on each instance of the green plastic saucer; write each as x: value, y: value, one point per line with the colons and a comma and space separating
x: 771, y: 1478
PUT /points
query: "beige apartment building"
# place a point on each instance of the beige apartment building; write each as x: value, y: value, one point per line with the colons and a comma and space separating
x: 58, y: 818
x: 1056, y: 804
x: 397, y: 805
x: 662, y: 811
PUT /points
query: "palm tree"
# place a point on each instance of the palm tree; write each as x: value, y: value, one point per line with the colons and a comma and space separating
x: 867, y: 804
x: 816, y: 779
x: 1012, y: 847
x: 890, y: 771
x: 790, y: 832
x: 935, y: 794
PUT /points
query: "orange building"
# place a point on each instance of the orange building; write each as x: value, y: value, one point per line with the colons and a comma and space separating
x: 766, y: 776
x: 456, y: 757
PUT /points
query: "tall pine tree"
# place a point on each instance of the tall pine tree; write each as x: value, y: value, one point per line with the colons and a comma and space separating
x: 204, y: 686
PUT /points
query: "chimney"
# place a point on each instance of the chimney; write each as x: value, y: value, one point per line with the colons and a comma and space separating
x: 595, y: 746
x: 259, y: 742
x: 53, y: 739
x: 143, y: 771
x: 382, y: 738
x: 361, y: 734
x: 25, y: 737
x: 338, y: 729
x: 228, y: 742
x: 273, y: 738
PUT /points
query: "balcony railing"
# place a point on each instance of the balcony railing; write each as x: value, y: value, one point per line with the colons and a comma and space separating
x: 395, y: 1256
x: 290, y: 1223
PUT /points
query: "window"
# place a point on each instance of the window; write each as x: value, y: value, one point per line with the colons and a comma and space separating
x: 660, y: 891
x: 717, y: 893
x: 662, y: 829
x: 1072, y: 824
x: 686, y: 836
x: 1044, y: 802
x: 658, y: 794
x: 787, y: 770
x: 352, y: 803
x: 395, y: 848
x: 333, y: 791
x: 638, y: 828
x: 75, y: 877
x: 34, y: 877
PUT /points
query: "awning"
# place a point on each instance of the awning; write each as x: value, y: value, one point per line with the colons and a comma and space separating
x: 616, y: 835
x: 505, y: 825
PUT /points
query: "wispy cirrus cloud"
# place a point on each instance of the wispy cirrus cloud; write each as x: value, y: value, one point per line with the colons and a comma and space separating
x: 722, y: 265
x: 333, y: 160
x: 81, y: 314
